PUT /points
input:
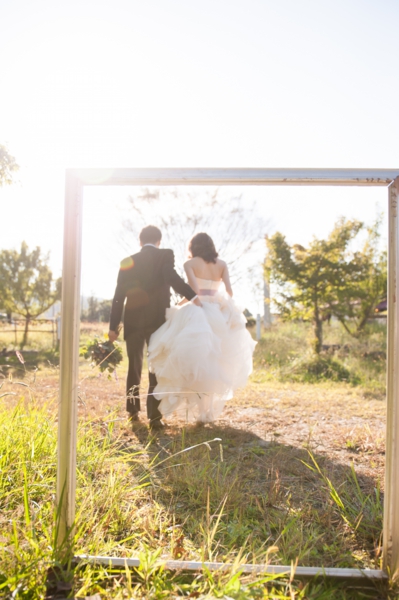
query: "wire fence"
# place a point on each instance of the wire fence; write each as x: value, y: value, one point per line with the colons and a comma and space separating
x: 12, y: 330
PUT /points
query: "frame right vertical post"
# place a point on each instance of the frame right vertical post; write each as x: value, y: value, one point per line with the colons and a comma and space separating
x: 391, y: 498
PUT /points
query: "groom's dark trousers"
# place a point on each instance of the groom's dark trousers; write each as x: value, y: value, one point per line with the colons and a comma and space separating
x: 144, y: 282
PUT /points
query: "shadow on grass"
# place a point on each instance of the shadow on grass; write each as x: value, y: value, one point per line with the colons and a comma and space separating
x: 33, y: 360
x: 228, y: 492
x: 234, y: 497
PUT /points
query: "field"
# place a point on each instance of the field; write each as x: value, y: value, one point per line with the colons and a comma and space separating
x: 42, y: 334
x: 292, y: 473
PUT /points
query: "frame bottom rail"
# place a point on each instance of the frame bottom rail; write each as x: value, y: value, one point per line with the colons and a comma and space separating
x: 180, y: 565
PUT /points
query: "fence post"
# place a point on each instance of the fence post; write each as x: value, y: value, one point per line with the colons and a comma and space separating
x: 266, y: 303
x: 258, y: 327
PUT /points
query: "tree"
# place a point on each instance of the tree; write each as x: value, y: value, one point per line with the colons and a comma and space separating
x: 328, y: 278
x: 91, y: 312
x: 8, y: 166
x: 235, y: 226
x: 26, y: 284
x: 355, y: 303
x: 104, y: 311
x: 97, y: 310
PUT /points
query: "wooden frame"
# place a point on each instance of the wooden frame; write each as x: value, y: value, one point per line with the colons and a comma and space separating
x: 76, y: 179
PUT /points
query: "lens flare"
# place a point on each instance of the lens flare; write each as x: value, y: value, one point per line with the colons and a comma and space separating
x: 127, y: 263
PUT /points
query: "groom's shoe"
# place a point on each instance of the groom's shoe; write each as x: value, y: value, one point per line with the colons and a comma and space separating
x: 134, y: 420
x: 156, y: 425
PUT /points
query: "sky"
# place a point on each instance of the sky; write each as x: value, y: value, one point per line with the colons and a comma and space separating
x: 198, y: 83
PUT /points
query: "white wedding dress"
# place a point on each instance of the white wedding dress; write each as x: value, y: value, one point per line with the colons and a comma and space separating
x: 201, y: 355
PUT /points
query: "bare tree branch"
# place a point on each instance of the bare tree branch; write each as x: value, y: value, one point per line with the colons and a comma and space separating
x: 235, y: 225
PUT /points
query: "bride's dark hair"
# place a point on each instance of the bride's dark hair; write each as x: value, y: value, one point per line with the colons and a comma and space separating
x: 202, y: 245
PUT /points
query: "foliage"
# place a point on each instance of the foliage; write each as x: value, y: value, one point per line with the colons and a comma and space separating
x: 359, y: 510
x: 97, y: 310
x: 281, y: 355
x: 319, y: 367
x: 355, y: 302
x: 105, y: 355
x: 8, y: 166
x: 26, y: 284
x: 245, y: 500
x: 236, y: 227
x: 277, y: 502
x: 328, y: 278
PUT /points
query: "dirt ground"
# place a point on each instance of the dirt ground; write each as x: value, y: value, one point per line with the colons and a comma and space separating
x: 269, y: 433
x: 333, y: 420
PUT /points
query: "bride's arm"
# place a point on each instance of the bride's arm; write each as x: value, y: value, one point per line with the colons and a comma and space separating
x: 192, y: 280
x: 226, y: 280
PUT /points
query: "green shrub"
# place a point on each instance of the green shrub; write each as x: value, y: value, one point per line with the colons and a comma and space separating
x: 284, y: 354
x: 320, y: 367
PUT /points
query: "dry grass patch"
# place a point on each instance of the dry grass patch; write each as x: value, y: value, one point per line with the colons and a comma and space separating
x: 289, y: 472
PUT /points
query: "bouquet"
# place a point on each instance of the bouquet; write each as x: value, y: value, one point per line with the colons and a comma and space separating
x: 105, y: 355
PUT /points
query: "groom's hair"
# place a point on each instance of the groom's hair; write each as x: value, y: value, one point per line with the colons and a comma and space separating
x: 150, y: 235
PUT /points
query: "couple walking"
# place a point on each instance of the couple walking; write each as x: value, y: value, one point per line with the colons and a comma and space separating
x: 199, y: 351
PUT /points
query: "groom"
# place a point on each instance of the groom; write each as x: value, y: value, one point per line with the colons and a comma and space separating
x: 144, y: 281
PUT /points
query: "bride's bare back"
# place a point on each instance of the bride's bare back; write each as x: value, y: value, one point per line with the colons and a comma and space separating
x: 197, y: 267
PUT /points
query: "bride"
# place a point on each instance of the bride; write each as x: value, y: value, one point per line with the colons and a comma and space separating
x: 200, y: 356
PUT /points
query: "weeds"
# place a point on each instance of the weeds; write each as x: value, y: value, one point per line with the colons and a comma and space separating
x: 284, y: 354
x: 217, y: 493
x: 189, y: 505
x: 360, y: 511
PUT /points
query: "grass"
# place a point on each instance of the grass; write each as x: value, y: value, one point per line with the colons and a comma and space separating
x: 284, y: 354
x: 157, y: 504
x: 254, y: 487
x: 42, y: 334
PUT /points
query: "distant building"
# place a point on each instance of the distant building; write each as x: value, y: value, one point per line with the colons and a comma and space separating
x: 53, y: 312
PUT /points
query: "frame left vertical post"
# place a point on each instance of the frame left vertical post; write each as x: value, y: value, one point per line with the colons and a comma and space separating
x: 69, y: 362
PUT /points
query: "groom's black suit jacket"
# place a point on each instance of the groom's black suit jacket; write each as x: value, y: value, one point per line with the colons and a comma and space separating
x: 144, y: 280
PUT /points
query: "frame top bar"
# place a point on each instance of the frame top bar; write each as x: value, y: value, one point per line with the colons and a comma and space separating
x: 356, y: 177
